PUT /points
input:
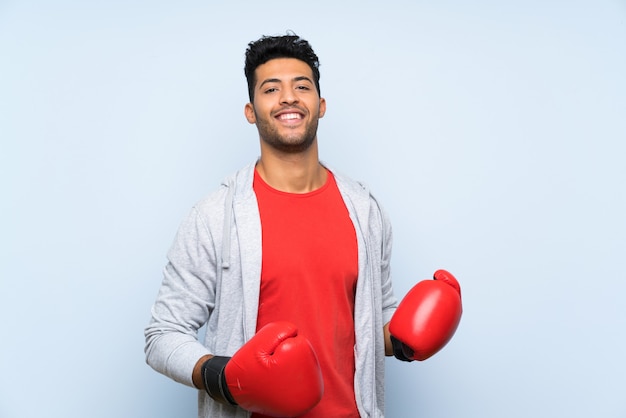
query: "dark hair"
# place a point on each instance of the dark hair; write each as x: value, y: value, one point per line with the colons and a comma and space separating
x: 286, y: 46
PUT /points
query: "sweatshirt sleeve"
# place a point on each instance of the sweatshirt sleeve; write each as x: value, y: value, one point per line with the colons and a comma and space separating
x: 184, y: 302
x: 389, y: 301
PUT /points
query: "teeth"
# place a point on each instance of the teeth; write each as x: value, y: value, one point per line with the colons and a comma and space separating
x: 286, y: 116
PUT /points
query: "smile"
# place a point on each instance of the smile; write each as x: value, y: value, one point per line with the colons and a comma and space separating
x: 289, y: 116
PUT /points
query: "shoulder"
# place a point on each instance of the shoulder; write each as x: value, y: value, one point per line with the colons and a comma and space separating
x: 348, y: 185
x: 236, y: 186
x: 357, y: 191
x: 361, y: 201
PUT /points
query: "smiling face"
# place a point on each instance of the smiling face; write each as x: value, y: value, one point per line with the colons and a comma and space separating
x: 286, y: 106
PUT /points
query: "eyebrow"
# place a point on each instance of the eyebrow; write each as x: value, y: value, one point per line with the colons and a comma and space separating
x: 278, y: 80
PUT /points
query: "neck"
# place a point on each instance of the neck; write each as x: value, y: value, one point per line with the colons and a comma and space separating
x: 292, y: 173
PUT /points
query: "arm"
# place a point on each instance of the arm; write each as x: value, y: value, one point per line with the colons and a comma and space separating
x: 389, y: 300
x: 184, y: 302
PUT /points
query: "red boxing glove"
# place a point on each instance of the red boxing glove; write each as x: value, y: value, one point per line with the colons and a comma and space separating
x: 276, y: 373
x: 426, y: 318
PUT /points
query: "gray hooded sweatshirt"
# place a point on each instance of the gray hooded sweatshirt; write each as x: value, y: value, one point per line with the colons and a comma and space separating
x: 213, y: 276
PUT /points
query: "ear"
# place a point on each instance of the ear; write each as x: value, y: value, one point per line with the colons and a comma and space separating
x: 322, y: 107
x: 248, y: 110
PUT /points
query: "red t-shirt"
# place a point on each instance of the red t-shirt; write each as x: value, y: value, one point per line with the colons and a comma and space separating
x: 309, y: 273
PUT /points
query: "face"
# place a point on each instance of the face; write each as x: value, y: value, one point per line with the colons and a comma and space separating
x: 286, y: 106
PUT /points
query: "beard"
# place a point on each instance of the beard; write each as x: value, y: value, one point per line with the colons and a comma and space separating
x: 289, y: 143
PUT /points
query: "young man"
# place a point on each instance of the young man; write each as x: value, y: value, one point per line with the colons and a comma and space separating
x: 287, y: 265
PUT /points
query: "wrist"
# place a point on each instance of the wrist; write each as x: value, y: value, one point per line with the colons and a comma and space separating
x: 400, y: 350
x: 196, y: 375
x: 214, y: 379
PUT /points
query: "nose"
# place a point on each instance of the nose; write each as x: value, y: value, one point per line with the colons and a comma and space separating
x: 288, y: 96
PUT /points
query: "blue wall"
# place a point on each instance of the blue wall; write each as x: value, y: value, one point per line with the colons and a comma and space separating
x: 493, y: 132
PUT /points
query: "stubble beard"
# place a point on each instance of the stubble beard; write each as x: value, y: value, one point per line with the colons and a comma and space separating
x: 290, y: 143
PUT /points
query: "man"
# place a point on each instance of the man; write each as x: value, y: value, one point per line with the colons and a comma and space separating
x: 287, y: 265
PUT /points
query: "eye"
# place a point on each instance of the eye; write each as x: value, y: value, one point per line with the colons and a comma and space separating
x: 271, y: 90
x: 303, y: 87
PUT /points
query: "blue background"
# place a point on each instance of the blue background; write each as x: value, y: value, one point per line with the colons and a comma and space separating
x: 493, y: 133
